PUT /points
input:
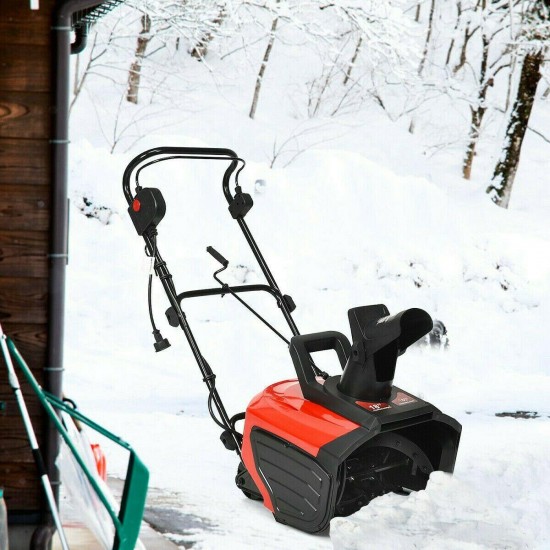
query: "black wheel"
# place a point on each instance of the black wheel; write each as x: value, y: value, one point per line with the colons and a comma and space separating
x: 246, y: 484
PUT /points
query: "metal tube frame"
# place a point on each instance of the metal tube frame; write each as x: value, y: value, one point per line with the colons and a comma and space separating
x: 164, y: 275
x: 221, y: 291
x: 127, y: 521
x: 231, y: 156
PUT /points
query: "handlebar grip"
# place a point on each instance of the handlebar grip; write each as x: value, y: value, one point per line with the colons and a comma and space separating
x: 302, y: 345
x: 217, y: 256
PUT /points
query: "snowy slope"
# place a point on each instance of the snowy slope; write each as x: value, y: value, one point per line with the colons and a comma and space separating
x: 354, y: 232
x: 363, y: 217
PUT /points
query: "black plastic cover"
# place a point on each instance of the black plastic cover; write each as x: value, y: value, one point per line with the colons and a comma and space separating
x: 240, y: 205
x: 378, y: 339
x: 147, y: 209
x: 301, y: 490
x: 289, y: 302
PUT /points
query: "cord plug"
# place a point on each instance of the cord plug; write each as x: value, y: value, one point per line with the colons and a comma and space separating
x: 160, y: 343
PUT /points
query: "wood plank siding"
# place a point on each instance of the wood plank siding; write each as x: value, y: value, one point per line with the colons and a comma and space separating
x: 25, y: 189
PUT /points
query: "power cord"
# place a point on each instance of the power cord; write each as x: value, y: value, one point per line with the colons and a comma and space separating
x: 160, y: 343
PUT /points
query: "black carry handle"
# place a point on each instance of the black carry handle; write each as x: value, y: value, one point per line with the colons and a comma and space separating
x: 301, y: 346
x: 217, y: 256
x: 183, y: 151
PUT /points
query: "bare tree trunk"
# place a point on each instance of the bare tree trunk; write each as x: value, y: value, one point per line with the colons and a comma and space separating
x: 134, y: 75
x: 462, y: 58
x: 428, y: 38
x: 475, y: 125
x: 468, y: 33
x: 500, y: 188
x: 201, y: 48
x: 76, y: 71
x: 322, y: 90
x: 478, y: 112
x: 353, y: 60
x: 265, y: 61
x: 417, y: 12
x: 510, y: 82
x: 80, y: 79
x: 452, y: 44
x: 412, y: 124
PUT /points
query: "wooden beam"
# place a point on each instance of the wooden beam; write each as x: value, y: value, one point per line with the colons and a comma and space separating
x: 20, y: 25
x: 25, y: 196
x: 25, y: 115
x: 30, y: 340
x: 15, y: 443
x: 24, y: 208
x: 25, y: 68
x: 22, y: 489
x: 23, y: 253
x: 24, y: 161
x: 11, y: 410
x: 23, y: 300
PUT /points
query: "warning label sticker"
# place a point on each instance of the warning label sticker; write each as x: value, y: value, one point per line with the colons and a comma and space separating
x: 373, y: 407
x: 402, y: 398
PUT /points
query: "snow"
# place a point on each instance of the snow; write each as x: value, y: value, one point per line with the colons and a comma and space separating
x: 493, y: 500
x: 363, y: 217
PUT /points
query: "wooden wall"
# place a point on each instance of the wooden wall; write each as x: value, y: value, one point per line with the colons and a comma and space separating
x: 25, y: 99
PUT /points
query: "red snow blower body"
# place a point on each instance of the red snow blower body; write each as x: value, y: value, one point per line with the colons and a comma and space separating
x: 316, y: 446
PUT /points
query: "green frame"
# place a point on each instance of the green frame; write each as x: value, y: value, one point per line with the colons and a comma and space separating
x: 128, y: 521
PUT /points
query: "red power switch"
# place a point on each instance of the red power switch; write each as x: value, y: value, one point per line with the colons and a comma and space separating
x: 136, y: 205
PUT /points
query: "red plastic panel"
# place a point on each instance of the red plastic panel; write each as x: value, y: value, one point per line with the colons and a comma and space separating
x: 282, y: 410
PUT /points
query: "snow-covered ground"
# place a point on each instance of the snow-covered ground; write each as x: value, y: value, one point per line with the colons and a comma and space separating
x: 362, y: 219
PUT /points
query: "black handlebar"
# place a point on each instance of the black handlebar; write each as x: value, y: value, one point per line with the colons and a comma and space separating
x: 240, y: 207
x: 183, y: 151
x: 217, y: 256
x: 147, y: 213
x: 301, y: 346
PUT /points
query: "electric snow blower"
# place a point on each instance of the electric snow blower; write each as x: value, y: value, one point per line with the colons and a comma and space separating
x: 317, y: 446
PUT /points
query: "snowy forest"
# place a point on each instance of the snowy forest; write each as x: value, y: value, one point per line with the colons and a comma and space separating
x: 480, y: 62
x: 397, y: 153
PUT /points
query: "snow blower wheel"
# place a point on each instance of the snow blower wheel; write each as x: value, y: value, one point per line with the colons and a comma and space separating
x: 317, y: 446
